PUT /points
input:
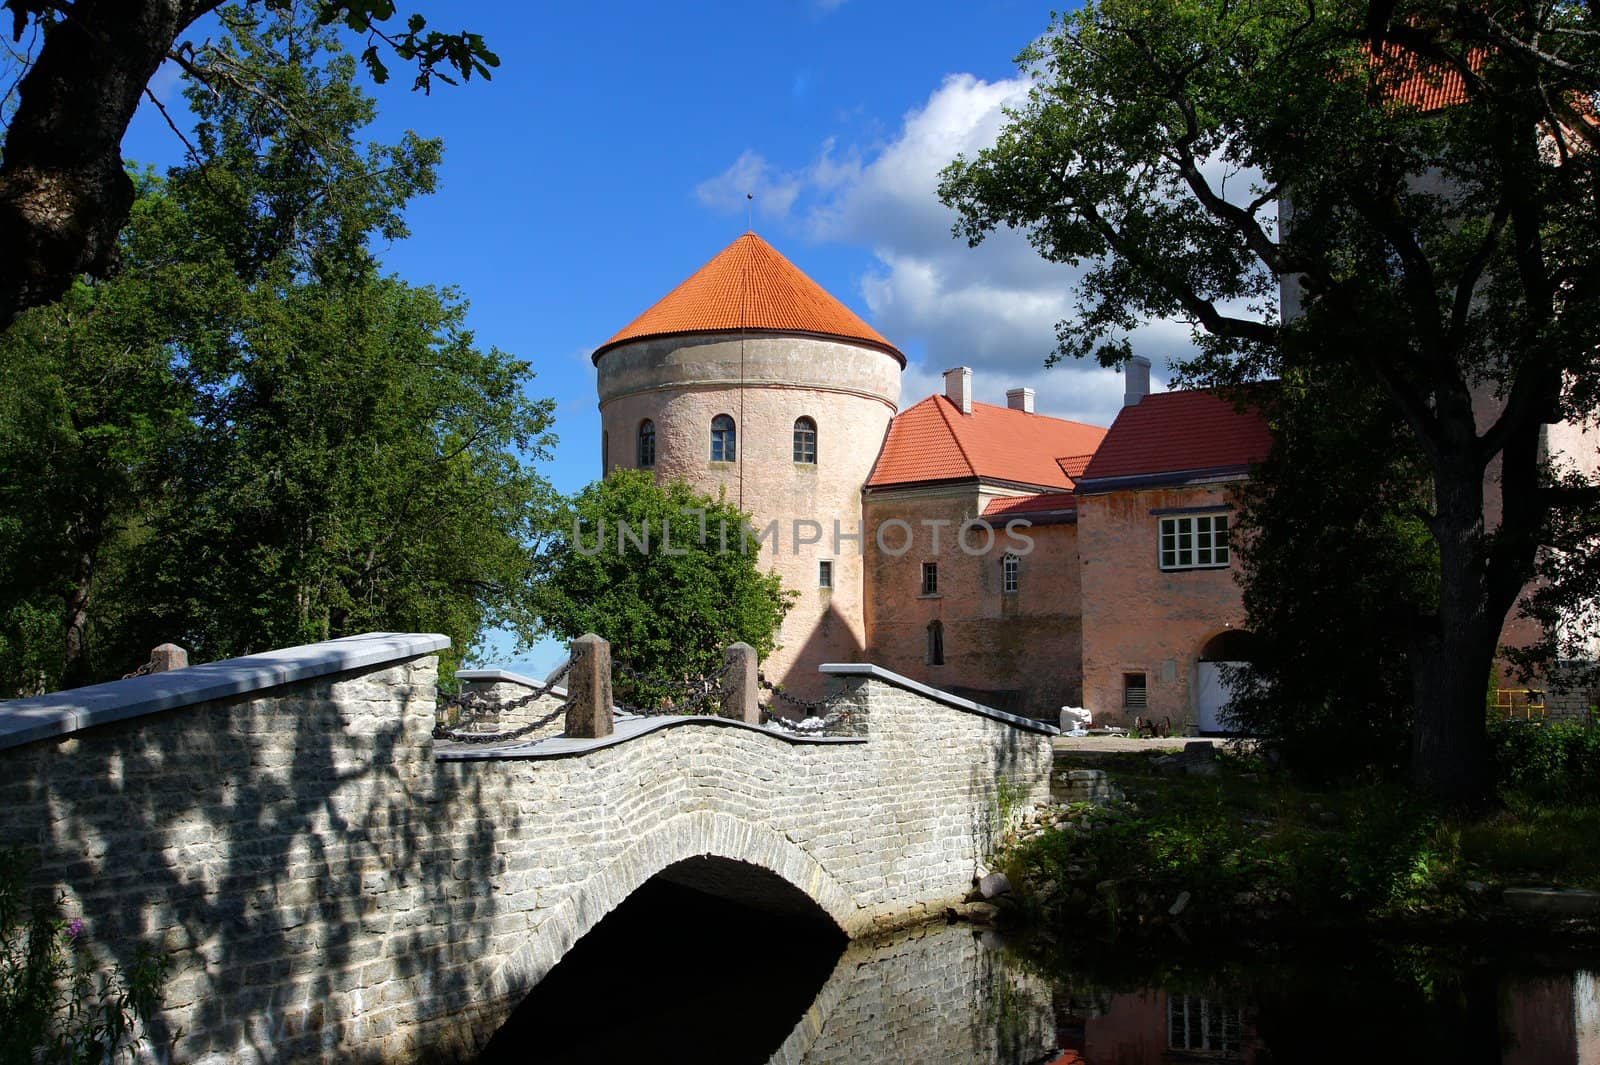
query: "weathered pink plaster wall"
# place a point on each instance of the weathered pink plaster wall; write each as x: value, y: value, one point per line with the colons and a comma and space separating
x: 849, y: 391
x: 1028, y: 642
x: 1139, y: 619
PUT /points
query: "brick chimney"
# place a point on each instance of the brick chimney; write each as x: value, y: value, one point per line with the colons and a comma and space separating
x: 958, y: 387
x: 1136, y: 383
x: 1020, y: 399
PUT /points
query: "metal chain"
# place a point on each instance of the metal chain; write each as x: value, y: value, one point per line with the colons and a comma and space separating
x: 477, y: 700
x: 142, y: 671
x: 699, y: 691
x: 831, y: 714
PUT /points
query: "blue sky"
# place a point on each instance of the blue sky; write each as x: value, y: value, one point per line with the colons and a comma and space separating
x: 610, y: 156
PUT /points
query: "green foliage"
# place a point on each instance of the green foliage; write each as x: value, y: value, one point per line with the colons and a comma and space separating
x: 664, y: 612
x: 56, y: 1007
x: 1549, y: 762
x: 1337, y: 568
x: 1160, y: 149
x: 248, y: 437
x: 432, y: 51
x: 1250, y: 851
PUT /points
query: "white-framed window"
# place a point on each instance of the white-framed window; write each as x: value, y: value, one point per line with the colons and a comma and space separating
x: 724, y: 439
x: 825, y: 573
x: 1194, y: 541
x: 647, y: 444
x: 1135, y: 691
x: 1195, y: 1023
x: 930, y: 578
x: 1010, y: 573
x: 805, y: 441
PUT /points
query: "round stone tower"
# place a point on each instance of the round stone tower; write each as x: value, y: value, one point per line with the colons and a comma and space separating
x: 749, y: 379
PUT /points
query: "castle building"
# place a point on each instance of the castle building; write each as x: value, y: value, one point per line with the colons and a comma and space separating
x: 1025, y: 561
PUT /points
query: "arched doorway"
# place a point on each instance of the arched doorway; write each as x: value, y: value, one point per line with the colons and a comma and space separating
x: 1230, y: 647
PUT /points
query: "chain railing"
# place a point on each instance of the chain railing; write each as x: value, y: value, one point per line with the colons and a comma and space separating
x: 469, y: 701
x: 681, y: 696
x: 829, y: 714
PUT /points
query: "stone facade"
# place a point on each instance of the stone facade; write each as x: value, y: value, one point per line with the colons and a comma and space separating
x: 330, y: 886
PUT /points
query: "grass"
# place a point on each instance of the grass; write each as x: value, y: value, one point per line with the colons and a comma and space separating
x: 1250, y: 847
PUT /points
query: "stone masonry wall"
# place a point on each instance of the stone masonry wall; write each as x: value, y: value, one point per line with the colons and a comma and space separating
x: 328, y: 891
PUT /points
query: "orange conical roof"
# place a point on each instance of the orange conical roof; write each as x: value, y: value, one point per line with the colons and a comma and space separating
x: 750, y: 287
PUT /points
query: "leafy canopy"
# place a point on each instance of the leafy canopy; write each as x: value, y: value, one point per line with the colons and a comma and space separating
x: 249, y: 437
x: 1196, y: 159
x: 668, y: 610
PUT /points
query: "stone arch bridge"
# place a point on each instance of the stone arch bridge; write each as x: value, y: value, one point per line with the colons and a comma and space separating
x: 330, y: 881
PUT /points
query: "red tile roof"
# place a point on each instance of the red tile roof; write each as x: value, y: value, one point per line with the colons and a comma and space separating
x: 1175, y: 432
x: 1073, y: 465
x: 749, y: 286
x: 1423, y: 84
x: 934, y: 441
x: 1041, y: 503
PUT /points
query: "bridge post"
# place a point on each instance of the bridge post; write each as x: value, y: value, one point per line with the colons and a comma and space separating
x: 739, y: 689
x: 589, y: 688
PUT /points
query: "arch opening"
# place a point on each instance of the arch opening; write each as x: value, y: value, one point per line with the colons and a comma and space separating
x: 1230, y: 645
x: 709, y: 951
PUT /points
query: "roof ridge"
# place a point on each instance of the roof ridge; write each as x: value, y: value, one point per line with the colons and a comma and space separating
x: 955, y: 434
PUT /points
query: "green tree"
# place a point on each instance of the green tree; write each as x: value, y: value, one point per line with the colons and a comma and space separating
x: 1445, y: 257
x: 249, y: 437
x: 1335, y: 578
x: 669, y: 608
x: 64, y: 196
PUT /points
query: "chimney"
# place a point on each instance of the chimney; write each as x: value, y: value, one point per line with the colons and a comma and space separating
x: 1137, y: 383
x: 1020, y: 399
x: 958, y: 387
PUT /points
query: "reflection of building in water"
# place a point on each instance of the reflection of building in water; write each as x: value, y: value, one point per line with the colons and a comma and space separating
x: 936, y: 994
x: 1153, y: 1028
x: 1552, y: 1019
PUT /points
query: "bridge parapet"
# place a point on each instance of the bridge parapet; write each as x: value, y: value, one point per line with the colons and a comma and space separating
x: 332, y: 883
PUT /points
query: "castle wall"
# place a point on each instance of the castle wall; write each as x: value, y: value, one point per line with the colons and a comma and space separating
x: 850, y: 391
x: 1022, y: 649
x: 1138, y: 618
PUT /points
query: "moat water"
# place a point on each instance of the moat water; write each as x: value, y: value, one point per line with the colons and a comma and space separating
x: 673, y: 976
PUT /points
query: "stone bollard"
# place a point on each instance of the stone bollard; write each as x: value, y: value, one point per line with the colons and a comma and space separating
x: 589, y: 689
x: 739, y: 688
x: 168, y: 656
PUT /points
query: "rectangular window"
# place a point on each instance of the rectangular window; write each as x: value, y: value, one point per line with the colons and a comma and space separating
x: 825, y: 574
x: 1194, y: 542
x: 930, y: 578
x: 1010, y: 568
x: 1195, y: 1023
x: 1133, y: 691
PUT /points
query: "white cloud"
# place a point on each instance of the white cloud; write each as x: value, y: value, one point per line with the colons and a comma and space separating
x: 994, y: 307
x: 750, y: 175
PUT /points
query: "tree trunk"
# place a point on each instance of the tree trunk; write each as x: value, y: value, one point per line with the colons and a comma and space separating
x: 75, y: 664
x: 1450, y: 669
x: 64, y: 196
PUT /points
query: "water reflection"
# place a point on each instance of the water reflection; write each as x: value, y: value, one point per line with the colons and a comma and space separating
x: 675, y: 974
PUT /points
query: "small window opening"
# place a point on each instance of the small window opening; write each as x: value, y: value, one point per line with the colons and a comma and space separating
x: 930, y: 578
x: 1010, y: 569
x: 825, y: 574
x: 724, y: 446
x: 805, y: 441
x: 1134, y: 691
x: 647, y: 444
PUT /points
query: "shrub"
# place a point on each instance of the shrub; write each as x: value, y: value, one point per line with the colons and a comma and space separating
x: 1552, y: 761
x: 56, y: 1008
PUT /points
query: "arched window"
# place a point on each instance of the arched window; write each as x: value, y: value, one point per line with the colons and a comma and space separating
x: 805, y: 441
x: 647, y: 444
x: 935, y: 643
x: 1010, y: 571
x: 723, y: 443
